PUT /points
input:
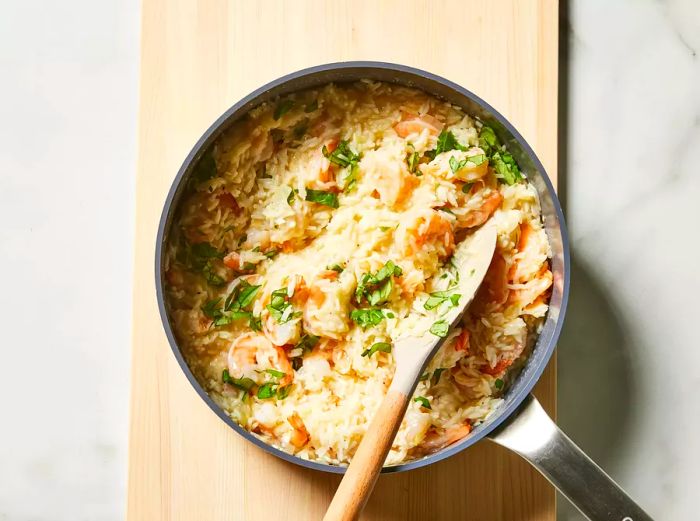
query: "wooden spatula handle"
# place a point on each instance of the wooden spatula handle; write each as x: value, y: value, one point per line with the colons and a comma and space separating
x: 359, y: 480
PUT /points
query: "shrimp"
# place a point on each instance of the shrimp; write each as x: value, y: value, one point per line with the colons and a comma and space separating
x: 251, y: 353
x: 300, y: 436
x: 320, y: 168
x: 174, y: 277
x: 434, y: 441
x: 394, y: 183
x: 462, y: 341
x: 497, y: 369
x: 412, y: 124
x: 481, y: 215
x: 228, y: 201
x: 432, y: 229
x: 326, y: 310
x: 528, y: 293
x: 494, y: 289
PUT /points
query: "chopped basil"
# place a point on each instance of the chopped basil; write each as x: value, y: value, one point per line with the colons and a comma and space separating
x: 383, y: 347
x: 376, y: 288
x: 466, y: 187
x: 271, y: 254
x: 266, y: 390
x: 307, y: 342
x: 488, y: 141
x: 280, y: 308
x: 506, y: 168
x: 367, y: 317
x: 476, y: 159
x: 389, y: 314
x: 446, y: 141
x: 503, y: 162
x: 283, y: 392
x: 424, y: 377
x: 204, y: 250
x: 291, y: 196
x: 342, y: 156
x: 350, y: 180
x: 436, y: 375
x: 213, y: 278
x: 244, y: 384
x: 325, y: 198
x: 336, y: 267
x: 440, y: 328
x: 498, y: 383
x: 255, y: 322
x: 311, y: 107
x: 282, y: 108
x: 423, y: 402
x: 275, y: 373
x: 211, y: 307
x: 412, y: 161
x: 301, y: 128
x: 438, y: 297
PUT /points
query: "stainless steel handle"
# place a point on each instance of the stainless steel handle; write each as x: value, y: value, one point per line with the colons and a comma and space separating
x: 531, y: 433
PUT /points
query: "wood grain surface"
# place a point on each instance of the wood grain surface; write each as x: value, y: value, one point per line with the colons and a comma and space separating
x: 198, y: 58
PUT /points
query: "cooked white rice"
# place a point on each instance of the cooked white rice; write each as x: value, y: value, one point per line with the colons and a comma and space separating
x: 247, y: 222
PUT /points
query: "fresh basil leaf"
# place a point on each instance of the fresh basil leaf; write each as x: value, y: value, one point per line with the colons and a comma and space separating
x: 211, y: 308
x: 423, y: 402
x: 244, y: 383
x: 383, y: 347
x: 292, y: 196
x: 424, y: 377
x: 282, y: 108
x: 321, y: 197
x: 454, y: 299
x: 271, y: 254
x: 367, y: 317
x: 267, y: 390
x: 440, y: 328
x: 412, y: 160
x: 433, y: 302
x: 381, y: 294
x: 336, y: 267
x: 255, y: 322
x: 211, y: 276
x: 350, y: 180
x: 342, y: 156
x: 283, y: 392
x: 447, y: 141
x: 488, y: 141
x: 466, y: 187
x: 506, y: 168
x: 307, y: 342
x: 247, y: 296
x: 498, y: 384
x: 476, y: 159
x: 436, y: 375
x: 275, y: 373
x: 204, y: 250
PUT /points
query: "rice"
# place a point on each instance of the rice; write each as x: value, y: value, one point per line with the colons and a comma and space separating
x: 317, y: 232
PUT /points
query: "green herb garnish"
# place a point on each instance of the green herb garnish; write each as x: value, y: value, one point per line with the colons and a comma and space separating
x: 282, y: 108
x: 383, y: 347
x: 438, y: 297
x: 367, y: 317
x: 440, y: 328
x: 275, y: 373
x: 342, y: 156
x: 412, y: 161
x: 423, y: 402
x: 307, y: 342
x: 325, y: 198
x: 245, y: 384
x: 311, y: 107
x: 283, y: 392
x: 446, y: 141
x: 291, y: 196
x: 436, y: 375
x: 498, y: 383
x: 335, y: 267
x: 280, y: 308
x: 267, y: 390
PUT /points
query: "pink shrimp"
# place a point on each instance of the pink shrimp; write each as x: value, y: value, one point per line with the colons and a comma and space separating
x: 434, y: 441
x: 433, y: 229
x: 412, y: 124
x: 481, y: 215
x: 252, y: 353
x: 300, y: 435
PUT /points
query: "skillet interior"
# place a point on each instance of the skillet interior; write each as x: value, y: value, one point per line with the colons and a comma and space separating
x: 473, y: 105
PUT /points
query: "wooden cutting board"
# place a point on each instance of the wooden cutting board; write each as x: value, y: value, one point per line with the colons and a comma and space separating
x: 197, y: 59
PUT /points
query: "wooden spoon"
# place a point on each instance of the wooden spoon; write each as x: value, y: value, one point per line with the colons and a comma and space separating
x: 472, y: 258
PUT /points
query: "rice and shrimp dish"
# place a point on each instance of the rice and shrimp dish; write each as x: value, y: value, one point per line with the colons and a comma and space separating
x: 317, y: 231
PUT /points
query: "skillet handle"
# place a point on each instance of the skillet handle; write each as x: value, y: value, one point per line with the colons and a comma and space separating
x: 532, y: 434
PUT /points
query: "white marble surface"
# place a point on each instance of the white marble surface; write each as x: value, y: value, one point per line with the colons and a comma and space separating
x: 629, y: 358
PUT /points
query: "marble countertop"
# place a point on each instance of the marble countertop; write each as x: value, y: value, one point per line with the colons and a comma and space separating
x: 629, y: 360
